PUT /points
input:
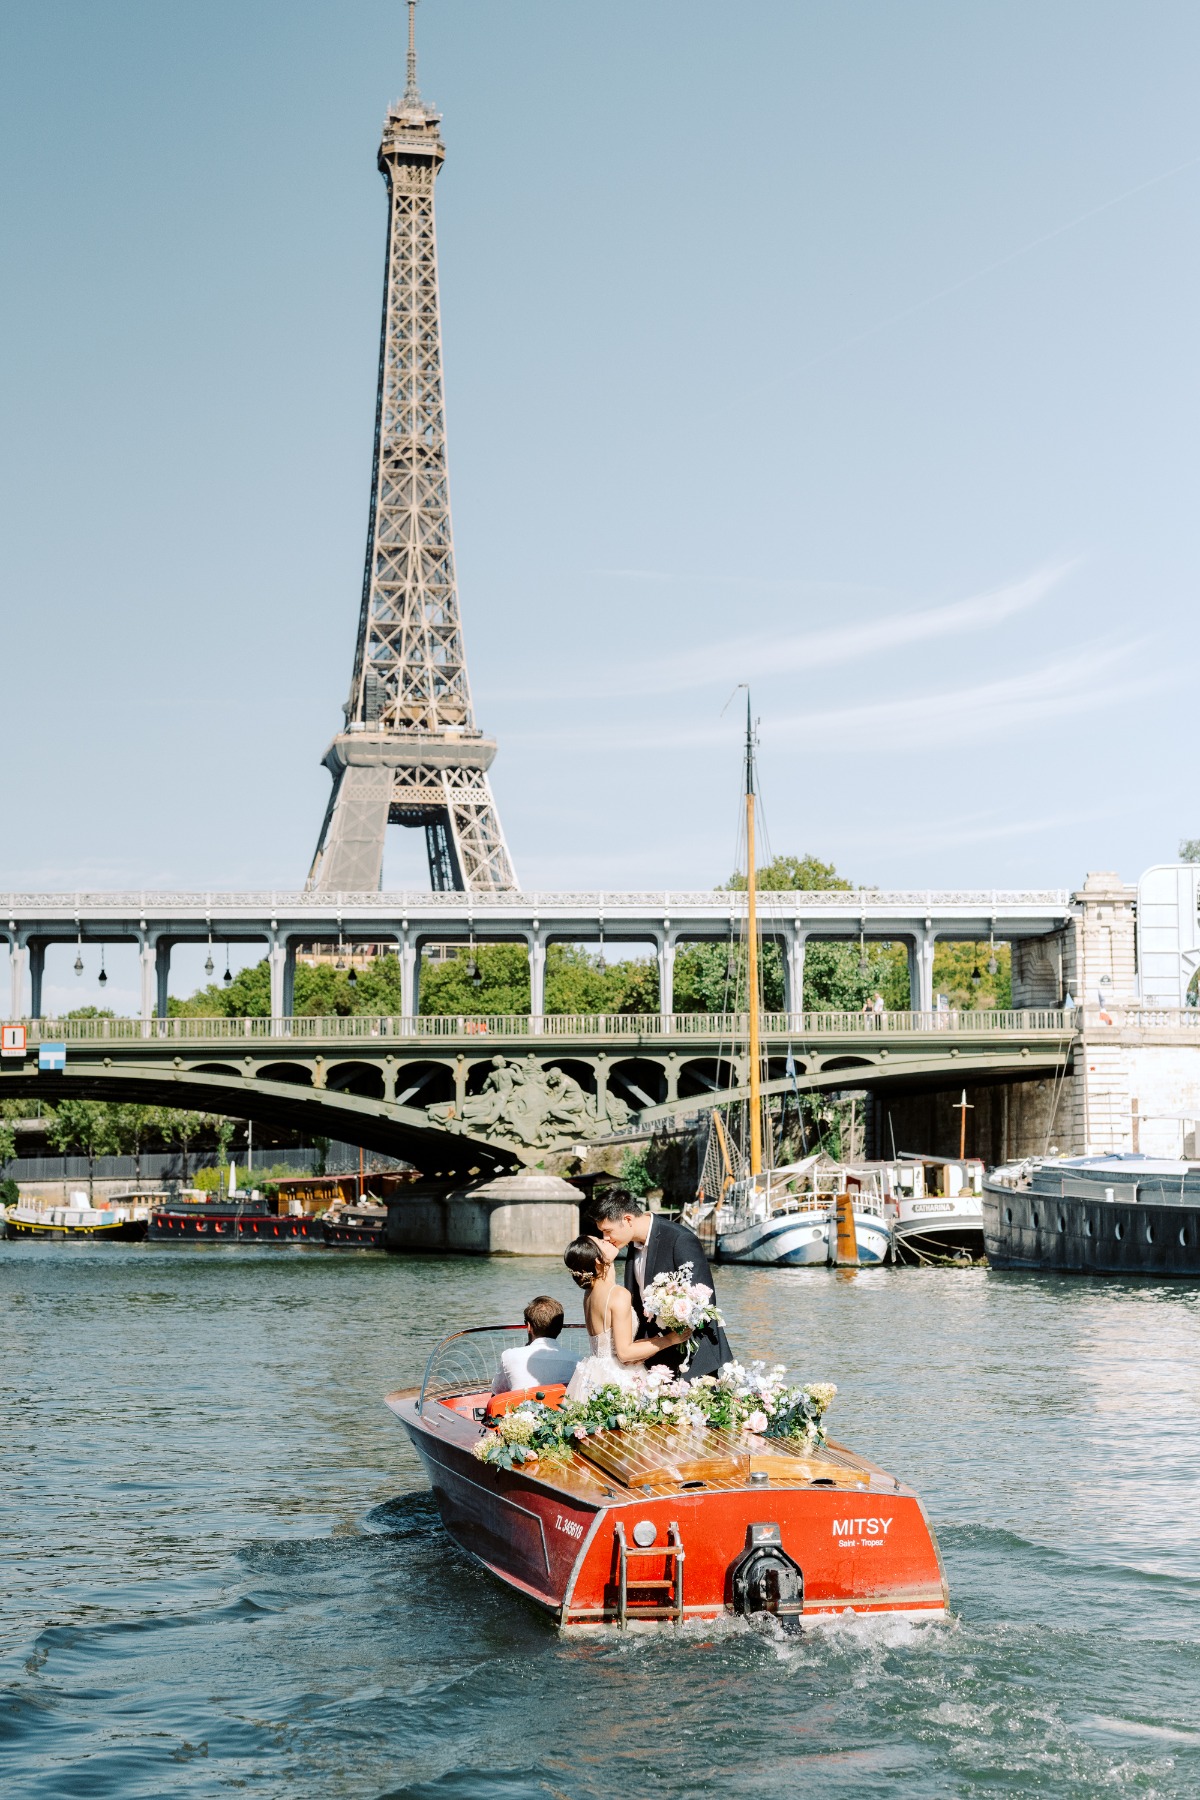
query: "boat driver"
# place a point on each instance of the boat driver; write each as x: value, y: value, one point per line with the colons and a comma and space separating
x: 541, y: 1361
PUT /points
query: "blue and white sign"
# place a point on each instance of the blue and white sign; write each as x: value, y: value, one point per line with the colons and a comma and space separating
x: 52, y: 1057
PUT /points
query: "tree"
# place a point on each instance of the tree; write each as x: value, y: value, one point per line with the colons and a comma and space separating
x: 132, y: 1125
x: 8, y: 1143
x: 223, y: 1132
x: 1189, y: 850
x: 805, y: 872
x: 86, y: 1128
x: 182, y: 1128
x: 503, y: 985
x: 834, y: 978
x: 960, y: 972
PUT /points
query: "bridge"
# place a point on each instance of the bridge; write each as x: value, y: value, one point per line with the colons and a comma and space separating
x: 463, y: 1095
x: 664, y: 920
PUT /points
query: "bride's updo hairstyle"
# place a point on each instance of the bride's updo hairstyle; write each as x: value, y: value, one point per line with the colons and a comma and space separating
x: 583, y: 1259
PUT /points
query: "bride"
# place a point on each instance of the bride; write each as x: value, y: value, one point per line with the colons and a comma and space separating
x: 608, y: 1315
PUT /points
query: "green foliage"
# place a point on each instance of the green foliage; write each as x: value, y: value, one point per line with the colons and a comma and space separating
x: 447, y: 987
x: 635, y: 1173
x: 1189, y: 850
x: 92, y: 1012
x: 8, y: 1144
x: 82, y: 1128
x: 248, y: 996
x: 794, y: 872
x: 10, y: 1193
x: 834, y: 982
x: 954, y: 966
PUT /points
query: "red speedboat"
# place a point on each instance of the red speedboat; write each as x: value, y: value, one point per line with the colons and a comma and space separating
x: 662, y: 1525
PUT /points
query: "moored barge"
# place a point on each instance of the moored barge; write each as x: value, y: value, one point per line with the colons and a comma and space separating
x: 655, y: 1526
x: 231, y: 1221
x: 1120, y: 1214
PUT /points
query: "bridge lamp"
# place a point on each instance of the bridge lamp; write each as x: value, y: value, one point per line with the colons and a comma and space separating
x: 103, y: 977
x: 78, y: 949
x: 227, y: 977
x: 864, y: 966
x: 993, y: 966
x: 976, y: 977
x: 352, y: 977
x: 208, y: 961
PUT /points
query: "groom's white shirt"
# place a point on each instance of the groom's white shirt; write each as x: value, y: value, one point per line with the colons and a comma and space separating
x: 543, y: 1360
x: 639, y: 1261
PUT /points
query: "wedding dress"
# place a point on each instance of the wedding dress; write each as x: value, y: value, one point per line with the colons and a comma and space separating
x: 601, y: 1368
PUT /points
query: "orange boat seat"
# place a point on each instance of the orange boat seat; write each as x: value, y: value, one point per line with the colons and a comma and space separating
x: 551, y: 1396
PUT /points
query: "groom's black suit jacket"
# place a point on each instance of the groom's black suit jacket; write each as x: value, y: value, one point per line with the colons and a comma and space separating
x: 670, y: 1247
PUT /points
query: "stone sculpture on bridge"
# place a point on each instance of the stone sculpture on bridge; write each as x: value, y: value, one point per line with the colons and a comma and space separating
x: 537, y: 1108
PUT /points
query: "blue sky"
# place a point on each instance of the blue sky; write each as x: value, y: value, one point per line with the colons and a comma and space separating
x: 847, y: 350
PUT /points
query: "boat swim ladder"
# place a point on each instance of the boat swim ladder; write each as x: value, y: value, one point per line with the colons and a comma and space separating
x: 674, y: 1553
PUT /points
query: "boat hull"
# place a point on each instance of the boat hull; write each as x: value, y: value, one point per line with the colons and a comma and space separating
x: 228, y: 1225
x: 1085, y: 1234
x: 786, y: 1241
x: 938, y: 1227
x: 863, y: 1551
x: 125, y: 1231
x: 874, y: 1236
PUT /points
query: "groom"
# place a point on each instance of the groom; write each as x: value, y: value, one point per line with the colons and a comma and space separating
x: 652, y: 1244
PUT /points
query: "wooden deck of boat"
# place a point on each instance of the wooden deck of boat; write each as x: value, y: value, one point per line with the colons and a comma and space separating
x: 664, y: 1459
x: 657, y: 1459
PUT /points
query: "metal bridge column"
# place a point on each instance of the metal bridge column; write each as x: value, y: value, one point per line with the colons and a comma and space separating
x: 36, y: 952
x: 537, y: 977
x: 793, y: 973
x: 666, y: 973
x: 408, y: 975
x: 289, y: 977
x: 276, y: 957
x: 16, y: 974
x: 920, y: 969
x: 146, y: 960
x: 162, y: 974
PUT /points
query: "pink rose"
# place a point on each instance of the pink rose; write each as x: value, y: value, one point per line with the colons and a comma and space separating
x: 756, y: 1422
x: 579, y: 1431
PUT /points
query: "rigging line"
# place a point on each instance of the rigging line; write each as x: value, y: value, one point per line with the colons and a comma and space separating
x: 1060, y: 1083
x: 956, y: 287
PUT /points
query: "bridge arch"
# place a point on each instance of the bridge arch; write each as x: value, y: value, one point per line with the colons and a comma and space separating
x: 217, y: 1068
x: 706, y: 1075
x: 582, y: 1072
x: 295, y: 1074
x: 848, y: 1062
x: 424, y: 1083
x: 638, y: 1081
x: 361, y: 1078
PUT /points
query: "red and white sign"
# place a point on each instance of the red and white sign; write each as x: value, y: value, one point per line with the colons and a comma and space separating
x: 12, y: 1040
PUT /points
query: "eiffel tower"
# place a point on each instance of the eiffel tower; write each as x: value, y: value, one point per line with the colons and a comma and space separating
x: 410, y: 753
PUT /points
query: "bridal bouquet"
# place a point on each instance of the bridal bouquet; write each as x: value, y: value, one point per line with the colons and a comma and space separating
x: 676, y: 1303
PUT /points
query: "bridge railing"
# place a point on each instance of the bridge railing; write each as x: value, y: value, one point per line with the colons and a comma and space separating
x: 731, y: 1028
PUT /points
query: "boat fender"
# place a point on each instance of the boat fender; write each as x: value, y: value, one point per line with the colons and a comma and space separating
x: 764, y: 1578
x: 499, y: 1404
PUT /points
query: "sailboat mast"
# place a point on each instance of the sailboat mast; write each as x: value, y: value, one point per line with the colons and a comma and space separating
x: 756, y: 1156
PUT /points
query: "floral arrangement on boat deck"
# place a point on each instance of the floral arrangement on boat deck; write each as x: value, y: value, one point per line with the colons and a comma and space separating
x: 676, y: 1303
x: 754, y: 1399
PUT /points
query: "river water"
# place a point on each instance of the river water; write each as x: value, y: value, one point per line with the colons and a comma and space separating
x: 223, y: 1573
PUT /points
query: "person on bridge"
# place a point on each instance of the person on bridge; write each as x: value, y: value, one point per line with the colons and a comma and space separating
x: 654, y: 1245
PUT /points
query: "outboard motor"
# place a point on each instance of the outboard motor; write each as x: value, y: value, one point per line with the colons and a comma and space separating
x: 765, y: 1579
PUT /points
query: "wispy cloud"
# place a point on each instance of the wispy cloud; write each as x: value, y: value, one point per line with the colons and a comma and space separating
x: 757, y: 657
x: 1103, y: 677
